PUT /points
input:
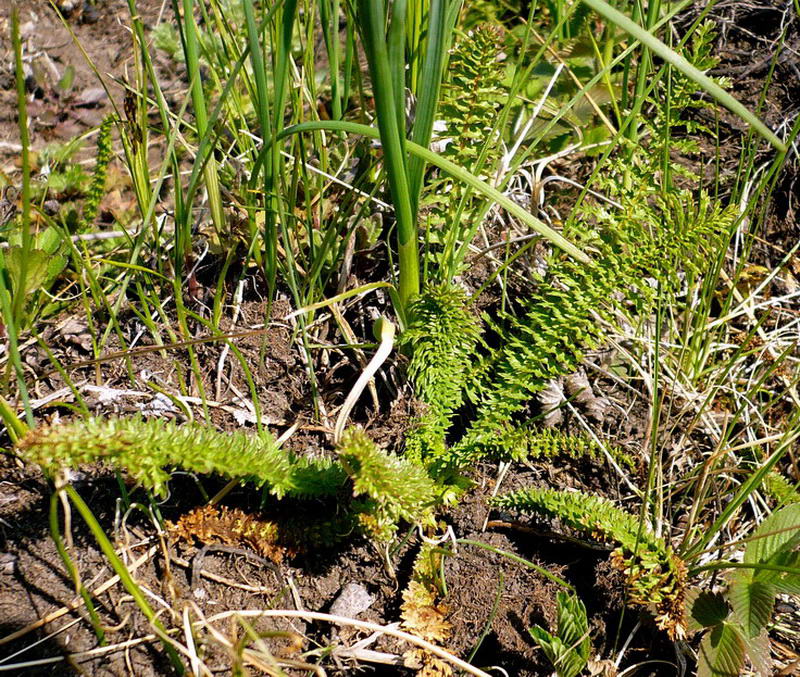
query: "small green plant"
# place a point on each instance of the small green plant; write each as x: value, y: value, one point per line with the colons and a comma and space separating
x: 96, y: 190
x: 393, y: 488
x: 389, y: 489
x: 568, y: 650
x: 655, y: 575
x: 734, y: 622
x: 564, y: 316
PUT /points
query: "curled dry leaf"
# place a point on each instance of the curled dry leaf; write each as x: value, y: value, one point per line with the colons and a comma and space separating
x: 578, y: 387
x: 551, y: 398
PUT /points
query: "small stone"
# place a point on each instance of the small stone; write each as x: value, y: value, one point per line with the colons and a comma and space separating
x: 91, y: 96
x: 8, y: 562
x: 351, y: 601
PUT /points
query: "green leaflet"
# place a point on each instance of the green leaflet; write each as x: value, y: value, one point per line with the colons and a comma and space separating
x: 393, y: 488
x: 150, y: 450
x: 655, y: 576
x: 440, y: 338
x: 569, y: 649
x: 467, y: 126
x: 530, y: 442
x: 722, y: 652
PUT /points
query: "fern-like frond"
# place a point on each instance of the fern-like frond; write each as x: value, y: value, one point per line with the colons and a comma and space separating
x: 467, y: 136
x: 393, y: 488
x: 781, y: 489
x: 529, y: 443
x: 561, y: 318
x: 441, y: 338
x: 97, y: 186
x: 655, y: 576
x: 150, y: 450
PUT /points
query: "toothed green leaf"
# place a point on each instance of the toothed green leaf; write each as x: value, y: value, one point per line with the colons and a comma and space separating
x: 779, y: 532
x: 722, y: 652
x: 752, y: 603
x: 706, y: 609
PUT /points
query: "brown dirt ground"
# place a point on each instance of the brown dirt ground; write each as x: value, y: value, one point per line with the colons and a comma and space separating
x: 33, y: 582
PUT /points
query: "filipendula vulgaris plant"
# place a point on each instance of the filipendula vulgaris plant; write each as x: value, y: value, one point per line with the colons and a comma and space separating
x: 389, y: 488
x: 659, y: 243
x: 542, y: 343
x: 466, y: 134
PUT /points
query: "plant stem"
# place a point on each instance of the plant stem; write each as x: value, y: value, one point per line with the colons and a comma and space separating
x: 373, y: 19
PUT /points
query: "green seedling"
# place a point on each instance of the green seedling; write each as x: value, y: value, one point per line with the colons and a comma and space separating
x: 568, y: 650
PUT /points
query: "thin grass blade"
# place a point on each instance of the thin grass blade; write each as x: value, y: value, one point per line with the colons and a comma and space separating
x: 670, y: 56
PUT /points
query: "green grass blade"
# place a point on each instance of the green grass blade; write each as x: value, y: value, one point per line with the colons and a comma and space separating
x: 262, y: 107
x: 441, y: 21
x: 124, y: 575
x: 372, y: 19
x: 329, y: 18
x: 670, y: 56
x: 454, y: 171
x: 18, y: 301
x: 396, y: 43
x: 191, y: 52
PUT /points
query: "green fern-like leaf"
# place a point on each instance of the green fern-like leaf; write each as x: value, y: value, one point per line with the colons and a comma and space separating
x: 655, y: 576
x: 561, y: 319
x: 529, y: 443
x: 150, y: 450
x: 467, y: 133
x: 441, y: 338
x: 781, y: 489
x: 393, y: 488
x: 98, y: 183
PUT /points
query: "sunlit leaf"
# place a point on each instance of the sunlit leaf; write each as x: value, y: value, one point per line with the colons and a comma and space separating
x: 752, y: 602
x: 780, y: 531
